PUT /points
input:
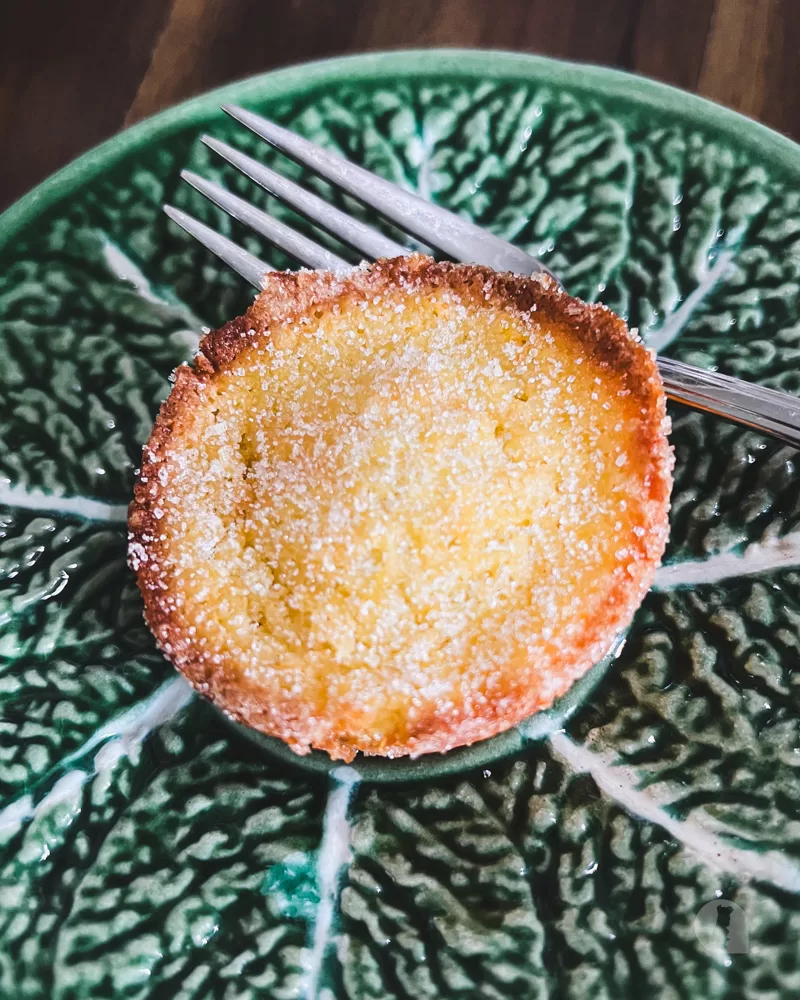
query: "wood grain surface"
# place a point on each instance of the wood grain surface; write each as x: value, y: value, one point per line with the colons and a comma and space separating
x: 73, y: 73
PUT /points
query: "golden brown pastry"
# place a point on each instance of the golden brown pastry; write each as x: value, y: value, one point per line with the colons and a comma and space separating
x: 401, y: 511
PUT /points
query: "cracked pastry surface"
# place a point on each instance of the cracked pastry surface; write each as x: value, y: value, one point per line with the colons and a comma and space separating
x: 400, y: 511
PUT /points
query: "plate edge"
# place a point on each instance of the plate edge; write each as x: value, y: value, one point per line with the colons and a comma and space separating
x: 599, y: 81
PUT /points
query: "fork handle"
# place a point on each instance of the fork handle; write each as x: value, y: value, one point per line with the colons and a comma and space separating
x: 755, y: 406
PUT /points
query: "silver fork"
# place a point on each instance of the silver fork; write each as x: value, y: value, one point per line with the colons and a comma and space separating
x: 775, y: 413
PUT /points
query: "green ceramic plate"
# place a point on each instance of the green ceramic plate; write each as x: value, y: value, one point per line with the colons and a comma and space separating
x: 651, y: 847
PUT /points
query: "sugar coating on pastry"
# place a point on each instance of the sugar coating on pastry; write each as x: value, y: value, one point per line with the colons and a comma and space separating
x: 400, y: 511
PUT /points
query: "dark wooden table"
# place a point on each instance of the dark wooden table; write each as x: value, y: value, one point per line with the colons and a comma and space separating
x: 73, y: 72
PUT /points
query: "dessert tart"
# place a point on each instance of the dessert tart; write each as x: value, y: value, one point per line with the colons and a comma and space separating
x: 400, y: 511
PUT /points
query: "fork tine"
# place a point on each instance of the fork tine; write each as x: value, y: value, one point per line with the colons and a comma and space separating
x: 250, y: 267
x: 285, y: 238
x: 352, y: 231
x: 436, y: 226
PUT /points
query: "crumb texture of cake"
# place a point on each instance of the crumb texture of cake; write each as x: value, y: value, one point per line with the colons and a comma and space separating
x: 400, y: 511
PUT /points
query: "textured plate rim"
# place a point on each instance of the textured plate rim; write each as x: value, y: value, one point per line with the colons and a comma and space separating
x: 598, y: 81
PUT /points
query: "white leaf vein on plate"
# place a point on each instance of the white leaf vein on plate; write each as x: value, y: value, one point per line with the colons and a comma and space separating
x: 621, y: 784
x: 123, y: 268
x: 758, y: 557
x: 83, y: 507
x: 334, y: 854
x: 119, y: 737
x: 671, y: 329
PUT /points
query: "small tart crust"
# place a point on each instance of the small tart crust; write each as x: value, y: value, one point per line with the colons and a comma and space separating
x: 399, y: 511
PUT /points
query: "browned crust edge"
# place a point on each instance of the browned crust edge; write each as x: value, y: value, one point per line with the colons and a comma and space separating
x: 287, y: 296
